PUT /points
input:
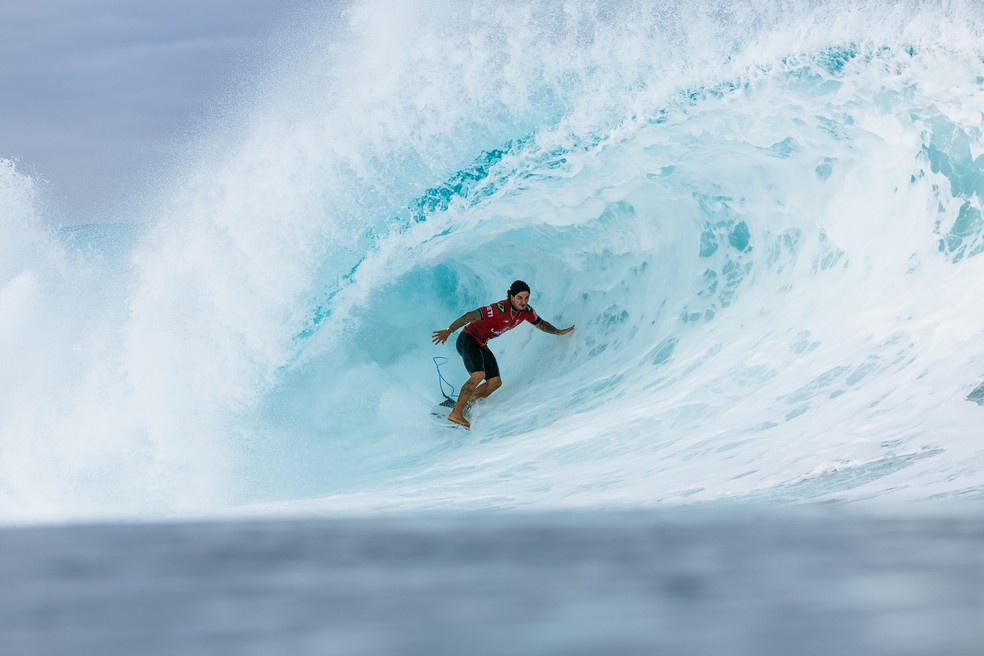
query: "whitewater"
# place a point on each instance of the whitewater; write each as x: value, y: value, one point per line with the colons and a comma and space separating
x: 764, y: 219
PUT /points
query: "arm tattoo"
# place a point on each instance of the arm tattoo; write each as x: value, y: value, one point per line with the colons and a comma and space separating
x: 465, y: 319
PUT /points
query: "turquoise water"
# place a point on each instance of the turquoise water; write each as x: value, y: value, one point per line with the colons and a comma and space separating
x: 766, y: 225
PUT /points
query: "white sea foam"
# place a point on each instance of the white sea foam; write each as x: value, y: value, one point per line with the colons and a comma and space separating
x: 765, y: 223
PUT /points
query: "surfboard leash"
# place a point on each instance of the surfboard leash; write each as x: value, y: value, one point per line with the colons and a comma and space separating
x: 441, y: 379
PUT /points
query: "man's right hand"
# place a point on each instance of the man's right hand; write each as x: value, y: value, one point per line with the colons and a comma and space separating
x: 440, y: 336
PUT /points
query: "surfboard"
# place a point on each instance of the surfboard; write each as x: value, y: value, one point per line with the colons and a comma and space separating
x: 439, y: 413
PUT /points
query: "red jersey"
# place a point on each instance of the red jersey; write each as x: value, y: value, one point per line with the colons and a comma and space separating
x: 497, y: 319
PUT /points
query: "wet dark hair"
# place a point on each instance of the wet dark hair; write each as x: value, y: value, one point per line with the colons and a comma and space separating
x: 517, y: 287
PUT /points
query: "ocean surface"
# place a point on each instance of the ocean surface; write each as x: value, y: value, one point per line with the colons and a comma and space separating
x: 765, y: 221
x: 583, y: 583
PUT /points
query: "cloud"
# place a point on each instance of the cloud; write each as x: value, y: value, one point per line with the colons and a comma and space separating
x: 96, y: 94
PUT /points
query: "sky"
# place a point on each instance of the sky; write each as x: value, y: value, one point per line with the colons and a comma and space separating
x: 98, y: 96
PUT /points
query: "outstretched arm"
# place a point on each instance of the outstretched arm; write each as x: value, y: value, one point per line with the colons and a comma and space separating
x: 441, y: 336
x: 548, y: 327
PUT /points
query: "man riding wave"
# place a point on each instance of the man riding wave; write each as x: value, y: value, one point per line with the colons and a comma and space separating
x: 482, y: 325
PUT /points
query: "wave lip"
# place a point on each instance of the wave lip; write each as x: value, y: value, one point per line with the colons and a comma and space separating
x: 766, y: 226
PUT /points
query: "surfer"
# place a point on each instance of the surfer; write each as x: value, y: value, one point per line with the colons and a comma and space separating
x: 481, y: 325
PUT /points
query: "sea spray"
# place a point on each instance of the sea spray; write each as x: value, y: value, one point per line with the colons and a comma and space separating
x: 765, y: 222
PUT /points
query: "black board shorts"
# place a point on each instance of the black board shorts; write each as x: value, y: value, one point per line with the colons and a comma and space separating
x: 475, y: 357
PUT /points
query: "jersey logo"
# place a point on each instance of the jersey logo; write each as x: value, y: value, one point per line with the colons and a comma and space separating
x: 502, y: 308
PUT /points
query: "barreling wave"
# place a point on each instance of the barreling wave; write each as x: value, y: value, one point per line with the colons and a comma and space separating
x: 764, y: 220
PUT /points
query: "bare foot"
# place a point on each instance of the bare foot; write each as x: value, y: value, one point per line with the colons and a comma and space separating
x: 461, y: 421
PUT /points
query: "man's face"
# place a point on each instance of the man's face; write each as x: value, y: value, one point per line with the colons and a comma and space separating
x: 520, y: 300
